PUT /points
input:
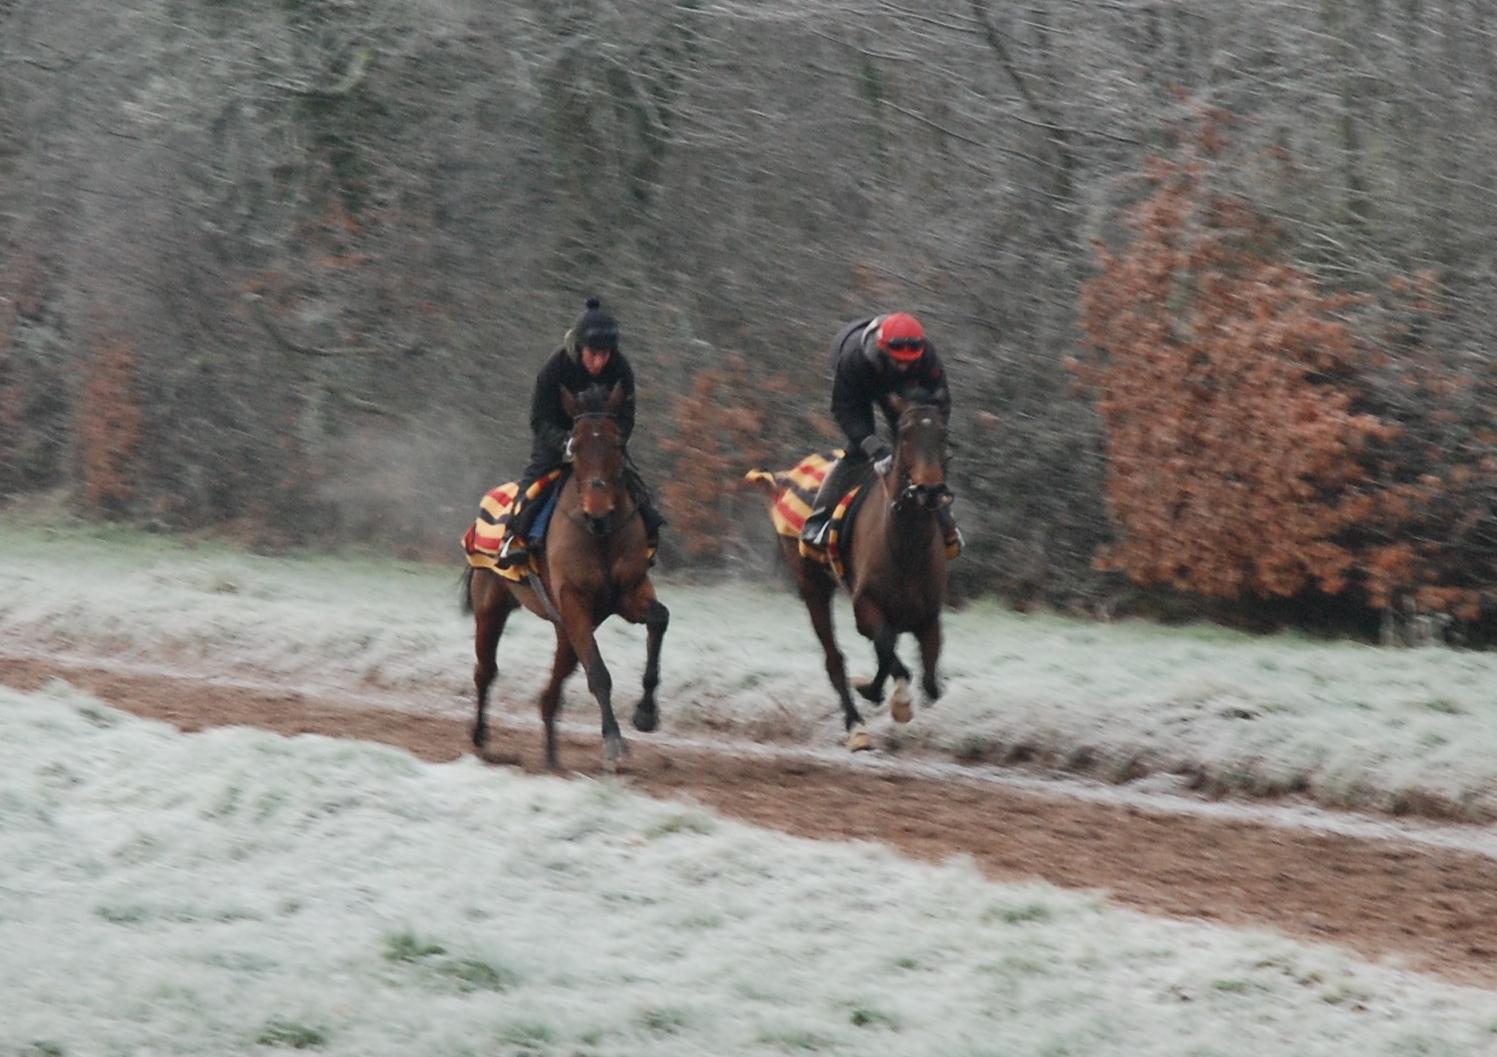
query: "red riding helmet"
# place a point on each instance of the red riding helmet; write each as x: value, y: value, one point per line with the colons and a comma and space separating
x: 901, y: 337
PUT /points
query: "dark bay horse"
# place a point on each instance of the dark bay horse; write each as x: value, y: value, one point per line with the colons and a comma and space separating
x: 595, y: 564
x: 896, y: 568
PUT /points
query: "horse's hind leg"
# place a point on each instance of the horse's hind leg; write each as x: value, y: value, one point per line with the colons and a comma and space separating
x: 816, y: 590
x: 492, y: 605
x: 564, y: 663
x: 644, y: 608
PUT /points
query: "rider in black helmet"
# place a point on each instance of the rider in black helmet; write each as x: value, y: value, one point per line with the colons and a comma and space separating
x: 589, y: 356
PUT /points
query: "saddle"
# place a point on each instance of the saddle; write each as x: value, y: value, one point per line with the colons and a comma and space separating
x: 485, y: 537
x: 795, y: 489
x: 795, y: 495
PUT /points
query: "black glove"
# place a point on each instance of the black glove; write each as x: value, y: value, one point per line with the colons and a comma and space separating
x: 875, y: 449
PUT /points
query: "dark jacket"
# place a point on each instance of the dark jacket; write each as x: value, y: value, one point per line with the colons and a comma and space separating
x: 550, y: 425
x: 862, y: 376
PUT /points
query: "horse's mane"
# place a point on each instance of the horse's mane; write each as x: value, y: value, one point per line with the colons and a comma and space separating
x: 594, y: 399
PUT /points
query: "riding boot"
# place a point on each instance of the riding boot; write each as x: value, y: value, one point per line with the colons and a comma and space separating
x: 837, y: 482
x: 516, y: 547
x: 645, y: 501
x: 949, y: 532
x: 652, y: 518
x: 653, y: 521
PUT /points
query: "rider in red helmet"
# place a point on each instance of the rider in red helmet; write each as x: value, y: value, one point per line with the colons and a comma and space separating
x: 872, y: 358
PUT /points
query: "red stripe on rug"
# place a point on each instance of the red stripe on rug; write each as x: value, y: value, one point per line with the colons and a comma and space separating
x: 793, y: 517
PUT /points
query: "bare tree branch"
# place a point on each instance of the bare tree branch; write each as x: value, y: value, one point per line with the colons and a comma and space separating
x: 262, y: 316
x: 1059, y: 137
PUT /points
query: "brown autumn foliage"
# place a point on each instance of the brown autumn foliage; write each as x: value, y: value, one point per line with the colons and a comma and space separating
x: 721, y: 430
x: 110, y: 423
x: 1237, y: 450
x: 1443, y: 465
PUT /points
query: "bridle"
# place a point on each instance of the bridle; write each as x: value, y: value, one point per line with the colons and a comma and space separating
x: 600, y: 527
x: 928, y: 497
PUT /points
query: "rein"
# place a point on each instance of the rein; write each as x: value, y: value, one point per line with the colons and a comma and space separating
x: 545, y: 596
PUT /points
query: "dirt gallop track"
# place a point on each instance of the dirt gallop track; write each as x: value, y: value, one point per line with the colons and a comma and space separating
x: 1417, y: 905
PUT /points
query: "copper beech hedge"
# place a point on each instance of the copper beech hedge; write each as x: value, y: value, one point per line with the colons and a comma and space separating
x: 1245, y: 455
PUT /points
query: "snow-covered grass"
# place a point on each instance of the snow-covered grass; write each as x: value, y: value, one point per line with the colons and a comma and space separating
x: 1347, y: 724
x: 235, y: 892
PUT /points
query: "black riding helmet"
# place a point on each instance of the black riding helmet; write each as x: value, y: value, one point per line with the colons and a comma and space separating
x: 595, y: 328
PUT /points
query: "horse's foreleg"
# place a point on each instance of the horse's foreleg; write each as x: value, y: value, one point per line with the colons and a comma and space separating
x: 578, y: 623
x: 816, y: 591
x: 492, y: 605
x: 874, y: 626
x: 929, y: 638
x: 644, y: 608
x: 564, y: 663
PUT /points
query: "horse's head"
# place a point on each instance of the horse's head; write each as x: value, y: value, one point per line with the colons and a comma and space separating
x: 597, y: 451
x: 918, y: 476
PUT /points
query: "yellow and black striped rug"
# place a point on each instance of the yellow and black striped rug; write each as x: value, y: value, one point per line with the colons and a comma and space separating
x: 796, y: 489
x: 486, y: 535
x: 795, y: 495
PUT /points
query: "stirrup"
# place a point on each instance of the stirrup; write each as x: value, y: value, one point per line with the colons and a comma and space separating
x: 814, y: 532
x: 511, y: 553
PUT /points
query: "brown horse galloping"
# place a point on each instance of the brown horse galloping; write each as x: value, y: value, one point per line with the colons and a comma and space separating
x: 595, y: 564
x: 896, y: 568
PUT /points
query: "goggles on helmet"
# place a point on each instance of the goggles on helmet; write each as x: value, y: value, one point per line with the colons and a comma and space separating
x: 906, y: 350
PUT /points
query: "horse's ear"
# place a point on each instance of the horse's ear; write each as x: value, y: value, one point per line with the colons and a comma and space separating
x: 616, y: 397
x: 569, y: 403
x: 898, y: 403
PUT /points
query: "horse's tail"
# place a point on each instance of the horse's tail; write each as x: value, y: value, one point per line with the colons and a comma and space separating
x: 465, y: 591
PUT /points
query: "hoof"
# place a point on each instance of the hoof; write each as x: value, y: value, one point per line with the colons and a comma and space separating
x: 931, y: 687
x: 869, y: 692
x: 858, y: 739
x: 480, y: 737
x: 614, y: 750
x: 900, y: 705
x: 646, y: 719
